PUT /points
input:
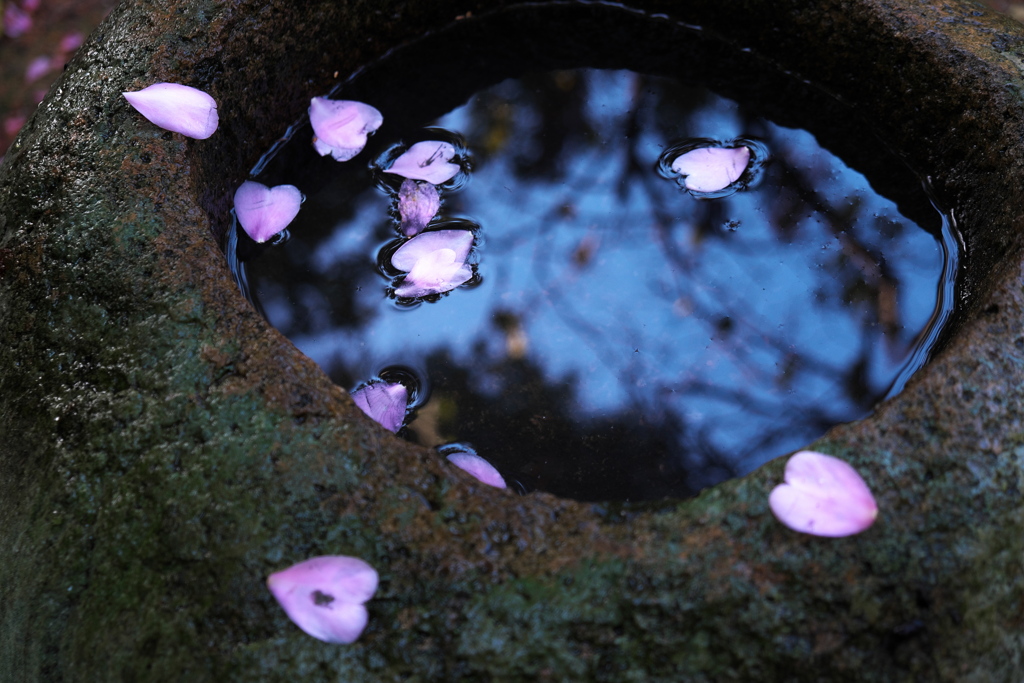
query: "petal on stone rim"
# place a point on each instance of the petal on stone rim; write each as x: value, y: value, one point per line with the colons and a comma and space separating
x: 823, y: 496
x: 341, y: 127
x: 383, y: 402
x: 177, y: 108
x: 710, y: 169
x: 478, y: 467
x: 263, y: 211
x: 429, y: 160
x: 324, y: 596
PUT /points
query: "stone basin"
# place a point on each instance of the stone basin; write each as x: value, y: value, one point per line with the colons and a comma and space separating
x: 163, y: 449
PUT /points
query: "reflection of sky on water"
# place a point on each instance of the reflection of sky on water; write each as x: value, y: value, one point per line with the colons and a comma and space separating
x: 752, y: 321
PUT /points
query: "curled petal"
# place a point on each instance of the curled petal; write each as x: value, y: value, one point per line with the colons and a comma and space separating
x: 436, y: 273
x: 418, y: 203
x: 340, y: 127
x: 383, y: 402
x: 324, y: 596
x: 710, y: 169
x: 823, y: 496
x: 177, y: 108
x: 263, y: 211
x: 459, y: 241
x: 429, y: 160
x: 478, y: 467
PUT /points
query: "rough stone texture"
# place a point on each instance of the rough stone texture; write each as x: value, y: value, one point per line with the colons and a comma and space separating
x: 163, y: 450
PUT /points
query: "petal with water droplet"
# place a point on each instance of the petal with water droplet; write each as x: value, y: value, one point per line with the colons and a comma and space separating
x: 710, y: 169
x: 341, y: 127
x: 823, y: 496
x: 177, y: 108
x: 478, y: 467
x: 429, y: 160
x: 263, y: 211
x: 324, y: 596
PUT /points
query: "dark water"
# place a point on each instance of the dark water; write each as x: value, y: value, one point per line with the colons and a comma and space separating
x: 621, y: 339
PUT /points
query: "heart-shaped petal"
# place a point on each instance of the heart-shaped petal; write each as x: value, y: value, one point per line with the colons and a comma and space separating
x: 418, y: 203
x: 710, y: 169
x: 177, y: 108
x: 429, y: 160
x: 340, y: 127
x: 823, y: 496
x: 263, y: 211
x: 478, y: 467
x: 384, y: 402
x: 324, y: 596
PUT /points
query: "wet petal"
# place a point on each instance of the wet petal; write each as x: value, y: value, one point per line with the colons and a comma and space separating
x: 177, y: 108
x: 478, y: 467
x: 710, y: 169
x: 262, y: 211
x: 384, y: 402
x: 418, y: 203
x: 324, y: 596
x: 424, y: 244
x: 435, y: 273
x: 429, y: 160
x: 340, y: 127
x: 823, y: 496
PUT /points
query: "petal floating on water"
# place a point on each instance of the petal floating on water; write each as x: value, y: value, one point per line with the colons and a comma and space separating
x: 340, y: 127
x: 324, y: 596
x: 177, y: 108
x: 435, y: 273
x: 710, y: 169
x: 418, y: 203
x: 823, y: 496
x: 424, y: 244
x: 429, y: 160
x: 384, y: 402
x: 263, y: 211
x: 478, y: 467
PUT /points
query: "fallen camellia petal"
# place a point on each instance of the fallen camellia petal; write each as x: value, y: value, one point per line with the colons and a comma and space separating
x: 435, y: 262
x: 384, y: 402
x: 478, y: 467
x: 177, y: 108
x: 263, y: 211
x: 429, y: 160
x: 340, y: 127
x: 324, y: 596
x: 418, y: 203
x: 710, y: 169
x: 823, y: 496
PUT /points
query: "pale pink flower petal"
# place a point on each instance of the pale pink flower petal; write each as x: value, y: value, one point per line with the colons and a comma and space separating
x: 429, y: 160
x: 710, y: 169
x: 263, y: 211
x: 324, y: 596
x: 478, y: 467
x: 340, y: 127
x: 16, y: 21
x: 459, y: 241
x: 418, y: 203
x: 71, y: 42
x: 384, y: 402
x: 823, y: 496
x: 177, y: 108
x: 37, y: 68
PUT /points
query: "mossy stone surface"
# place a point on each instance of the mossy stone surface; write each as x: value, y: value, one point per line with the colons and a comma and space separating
x: 163, y: 449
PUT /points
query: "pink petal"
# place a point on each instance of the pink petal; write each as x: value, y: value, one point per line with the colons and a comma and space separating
x: 384, y: 402
x: 262, y: 211
x: 710, y: 169
x: 177, y: 108
x: 478, y: 467
x: 16, y: 22
x: 71, y: 42
x: 418, y: 203
x: 823, y: 496
x: 37, y: 68
x: 429, y: 160
x: 324, y: 596
x: 436, y: 273
x: 340, y: 127
x: 459, y: 241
